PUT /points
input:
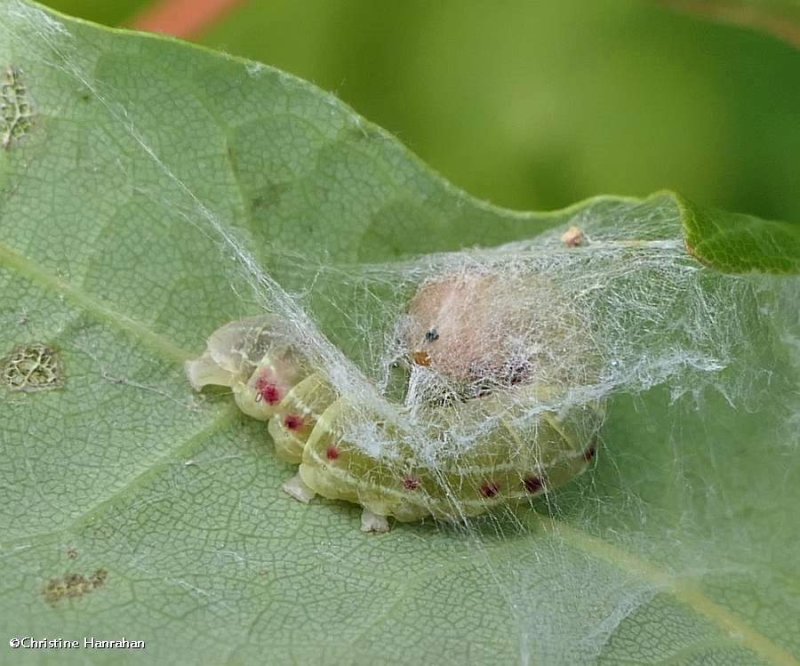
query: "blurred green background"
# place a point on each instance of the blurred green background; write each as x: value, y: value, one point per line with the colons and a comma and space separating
x: 535, y: 105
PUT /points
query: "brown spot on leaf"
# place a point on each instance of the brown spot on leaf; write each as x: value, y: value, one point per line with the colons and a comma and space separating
x: 16, y: 113
x: 34, y: 367
x: 73, y: 586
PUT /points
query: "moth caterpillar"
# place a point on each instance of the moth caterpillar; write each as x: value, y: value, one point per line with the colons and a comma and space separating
x: 484, y: 424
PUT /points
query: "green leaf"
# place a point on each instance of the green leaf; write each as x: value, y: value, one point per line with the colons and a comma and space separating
x: 131, y: 507
x: 739, y: 243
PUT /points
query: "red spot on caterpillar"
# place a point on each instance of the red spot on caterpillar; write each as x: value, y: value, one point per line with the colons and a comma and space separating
x: 267, y: 391
x: 490, y: 489
x: 533, y: 484
x: 590, y: 453
x: 332, y: 453
x: 410, y: 483
x: 293, y: 422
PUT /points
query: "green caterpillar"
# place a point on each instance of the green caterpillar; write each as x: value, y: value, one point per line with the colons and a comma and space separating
x: 411, y: 468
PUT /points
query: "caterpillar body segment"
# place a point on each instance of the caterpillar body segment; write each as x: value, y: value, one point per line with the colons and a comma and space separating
x: 506, y: 465
x: 296, y: 416
x: 270, y: 383
x: 255, y: 359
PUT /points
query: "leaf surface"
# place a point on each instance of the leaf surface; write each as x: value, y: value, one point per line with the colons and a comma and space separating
x: 740, y: 243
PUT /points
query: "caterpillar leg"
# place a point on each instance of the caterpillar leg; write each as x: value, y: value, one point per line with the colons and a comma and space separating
x: 297, y: 488
x: 372, y: 522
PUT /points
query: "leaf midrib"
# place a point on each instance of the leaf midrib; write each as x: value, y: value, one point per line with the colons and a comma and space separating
x: 224, y: 418
x: 157, y: 343
x: 687, y: 593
